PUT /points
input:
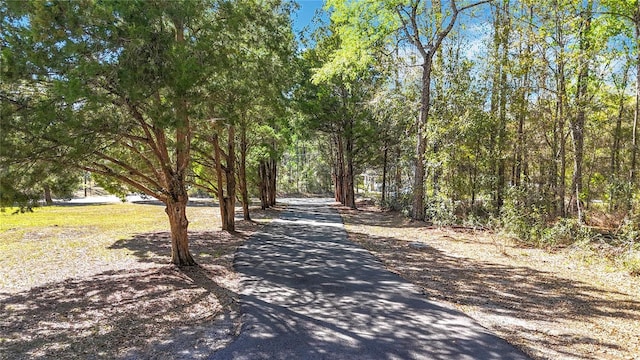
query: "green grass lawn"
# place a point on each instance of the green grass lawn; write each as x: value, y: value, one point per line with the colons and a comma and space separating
x: 56, y: 242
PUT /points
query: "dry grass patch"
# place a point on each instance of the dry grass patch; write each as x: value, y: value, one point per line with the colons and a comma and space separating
x: 553, y: 305
x: 94, y: 281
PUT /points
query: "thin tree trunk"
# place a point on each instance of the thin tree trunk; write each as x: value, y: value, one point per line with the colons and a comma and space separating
x: 504, y: 31
x: 273, y: 182
x: 636, y: 114
x: 577, y: 125
x: 384, y: 173
x: 262, y: 174
x: 437, y: 170
x: 220, y: 174
x: 398, y: 179
x: 614, y: 165
x: 350, y: 198
x: 523, y: 109
x: 242, y: 172
x: 555, y: 155
x: 561, y: 96
x: 340, y: 171
x: 563, y: 158
x: 231, y: 180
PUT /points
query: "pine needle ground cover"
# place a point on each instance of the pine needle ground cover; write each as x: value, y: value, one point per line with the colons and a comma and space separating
x: 560, y: 304
x: 93, y: 281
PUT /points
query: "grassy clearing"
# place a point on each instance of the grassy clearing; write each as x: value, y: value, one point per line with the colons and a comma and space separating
x: 56, y: 242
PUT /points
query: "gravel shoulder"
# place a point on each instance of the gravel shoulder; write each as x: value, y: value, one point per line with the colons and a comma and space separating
x: 553, y: 305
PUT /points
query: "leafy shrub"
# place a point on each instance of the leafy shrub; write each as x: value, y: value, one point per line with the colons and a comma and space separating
x: 401, y: 202
x: 631, y: 263
x: 524, y: 215
x: 565, y: 232
x: 628, y: 236
x: 629, y: 231
x: 441, y: 211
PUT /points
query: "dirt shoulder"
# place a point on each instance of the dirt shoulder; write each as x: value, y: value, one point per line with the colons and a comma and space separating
x: 553, y: 305
x: 133, y: 307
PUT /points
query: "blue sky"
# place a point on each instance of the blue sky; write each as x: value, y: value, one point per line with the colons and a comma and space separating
x: 304, y: 15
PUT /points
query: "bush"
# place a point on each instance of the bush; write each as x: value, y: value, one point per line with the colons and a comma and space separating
x: 401, y: 202
x: 629, y: 231
x: 629, y: 237
x: 631, y: 263
x: 565, y: 232
x: 441, y: 211
x: 524, y: 215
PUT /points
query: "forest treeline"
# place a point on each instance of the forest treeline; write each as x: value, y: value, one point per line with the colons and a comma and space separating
x: 516, y: 113
x: 520, y: 113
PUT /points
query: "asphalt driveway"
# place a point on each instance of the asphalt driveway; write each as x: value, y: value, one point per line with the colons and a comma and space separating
x: 309, y: 293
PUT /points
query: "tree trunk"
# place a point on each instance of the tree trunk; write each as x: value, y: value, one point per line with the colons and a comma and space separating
x: 614, y: 166
x: 563, y: 158
x: 519, y: 158
x: 222, y: 199
x: 176, y: 207
x: 437, y: 170
x: 504, y: 24
x: 560, y: 155
x: 398, y: 179
x: 384, y: 173
x: 262, y: 174
x: 350, y: 198
x: 636, y: 114
x: 340, y: 170
x: 231, y: 181
x: 242, y: 173
x: 421, y: 147
x: 577, y: 125
x: 176, y: 202
x: 47, y: 195
x: 273, y: 173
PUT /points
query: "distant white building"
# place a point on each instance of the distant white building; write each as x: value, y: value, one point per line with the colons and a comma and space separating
x: 371, y: 180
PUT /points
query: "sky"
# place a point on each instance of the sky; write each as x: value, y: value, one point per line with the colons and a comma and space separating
x: 305, y: 13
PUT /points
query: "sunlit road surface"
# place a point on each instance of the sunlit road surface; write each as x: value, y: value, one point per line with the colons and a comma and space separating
x: 309, y: 293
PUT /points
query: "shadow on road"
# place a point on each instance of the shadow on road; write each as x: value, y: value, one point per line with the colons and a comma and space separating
x: 309, y: 293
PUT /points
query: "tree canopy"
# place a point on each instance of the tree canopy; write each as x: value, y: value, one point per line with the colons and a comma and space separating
x: 522, y: 113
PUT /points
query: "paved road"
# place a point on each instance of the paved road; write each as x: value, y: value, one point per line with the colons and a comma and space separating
x: 309, y: 293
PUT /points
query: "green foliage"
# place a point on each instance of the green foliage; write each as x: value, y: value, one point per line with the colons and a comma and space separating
x: 524, y: 215
x: 399, y: 202
x: 565, y: 232
x: 441, y: 211
x: 24, y: 186
x: 122, y: 88
x: 629, y: 231
x: 361, y: 28
x: 628, y: 240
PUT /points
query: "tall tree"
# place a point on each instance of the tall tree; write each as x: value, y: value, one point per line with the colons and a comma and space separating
x: 577, y: 123
x: 418, y: 23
